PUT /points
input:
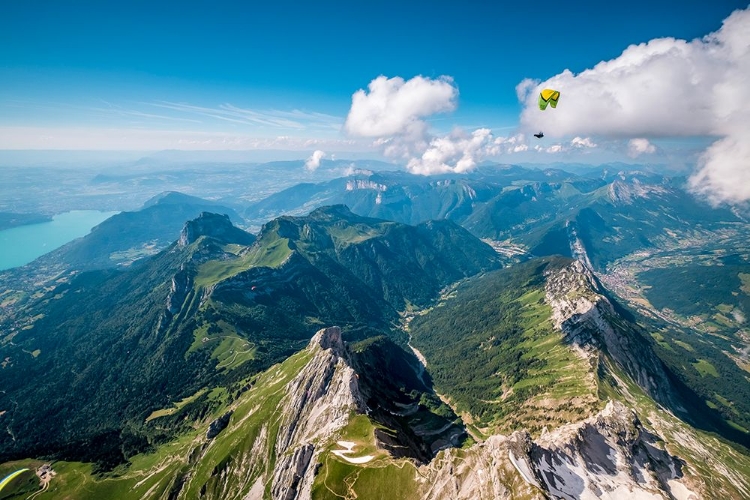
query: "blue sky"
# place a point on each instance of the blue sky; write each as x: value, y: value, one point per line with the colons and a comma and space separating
x: 240, y: 69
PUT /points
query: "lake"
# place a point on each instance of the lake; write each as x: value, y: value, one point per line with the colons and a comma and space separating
x: 20, y: 245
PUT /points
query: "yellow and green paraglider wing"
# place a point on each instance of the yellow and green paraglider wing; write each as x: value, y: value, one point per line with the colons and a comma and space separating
x: 10, y: 478
x: 548, y: 96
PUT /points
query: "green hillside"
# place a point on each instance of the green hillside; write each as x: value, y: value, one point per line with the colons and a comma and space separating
x: 108, y: 348
x: 493, y: 352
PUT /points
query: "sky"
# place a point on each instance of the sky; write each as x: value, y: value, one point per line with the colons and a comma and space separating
x: 436, y: 86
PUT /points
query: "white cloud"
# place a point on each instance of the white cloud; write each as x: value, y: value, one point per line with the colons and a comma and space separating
x: 313, y: 162
x: 582, y: 142
x: 397, y: 107
x: 393, y: 112
x: 724, y: 173
x: 639, y: 146
x: 666, y: 87
x: 508, y: 145
x: 457, y: 152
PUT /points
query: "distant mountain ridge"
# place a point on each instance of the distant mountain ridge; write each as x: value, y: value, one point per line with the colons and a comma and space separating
x: 544, y: 210
x: 127, y: 236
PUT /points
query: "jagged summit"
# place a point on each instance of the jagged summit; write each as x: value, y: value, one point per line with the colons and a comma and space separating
x: 328, y: 338
x: 215, y: 226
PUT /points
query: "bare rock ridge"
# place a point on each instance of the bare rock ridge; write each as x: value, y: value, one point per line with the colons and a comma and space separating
x: 319, y: 402
x: 609, y: 455
x: 589, y: 321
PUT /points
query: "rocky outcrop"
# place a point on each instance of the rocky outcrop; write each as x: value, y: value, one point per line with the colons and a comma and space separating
x: 319, y: 402
x: 215, y: 226
x: 589, y: 321
x: 609, y: 455
x: 354, y: 184
x: 182, y: 283
x: 623, y: 192
x: 218, y: 425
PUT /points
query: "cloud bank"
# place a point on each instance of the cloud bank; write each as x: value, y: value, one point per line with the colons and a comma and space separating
x: 664, y: 88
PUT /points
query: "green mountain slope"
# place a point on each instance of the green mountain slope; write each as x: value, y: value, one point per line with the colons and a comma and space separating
x: 107, y: 349
x: 509, y: 366
x: 338, y: 420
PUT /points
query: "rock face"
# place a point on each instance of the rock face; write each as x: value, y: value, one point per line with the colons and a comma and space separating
x: 626, y: 192
x: 215, y: 226
x: 218, y: 425
x: 320, y: 400
x: 182, y: 282
x: 607, y: 456
x: 589, y: 321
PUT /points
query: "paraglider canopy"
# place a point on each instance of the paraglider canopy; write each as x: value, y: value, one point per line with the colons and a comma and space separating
x: 548, y: 96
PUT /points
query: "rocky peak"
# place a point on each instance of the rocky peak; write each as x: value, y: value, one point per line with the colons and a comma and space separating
x: 625, y: 192
x: 329, y: 338
x: 319, y: 402
x: 356, y: 184
x: 609, y: 455
x: 329, y: 212
x: 214, y: 226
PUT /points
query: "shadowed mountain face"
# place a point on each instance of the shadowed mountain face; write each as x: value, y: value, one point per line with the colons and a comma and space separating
x: 109, y: 347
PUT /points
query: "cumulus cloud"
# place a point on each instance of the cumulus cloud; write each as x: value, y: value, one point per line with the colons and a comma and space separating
x: 313, y: 162
x: 513, y: 144
x: 393, y: 112
x: 582, y: 142
x: 724, y: 173
x: 395, y: 107
x: 457, y: 152
x: 639, y: 146
x: 664, y: 88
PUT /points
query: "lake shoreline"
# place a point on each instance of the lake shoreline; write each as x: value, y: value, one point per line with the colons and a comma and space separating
x: 22, y: 244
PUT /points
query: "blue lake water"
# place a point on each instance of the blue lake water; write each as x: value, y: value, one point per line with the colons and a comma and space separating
x: 21, y: 245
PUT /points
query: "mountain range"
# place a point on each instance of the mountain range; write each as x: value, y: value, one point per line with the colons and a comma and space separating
x: 510, y: 333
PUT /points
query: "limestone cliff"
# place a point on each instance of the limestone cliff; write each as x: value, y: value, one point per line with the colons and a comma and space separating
x: 589, y: 321
x: 609, y: 455
x: 319, y: 401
